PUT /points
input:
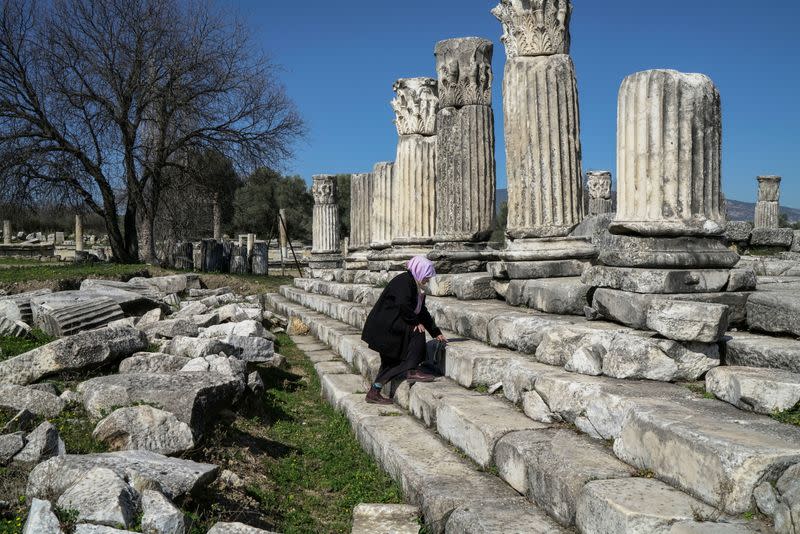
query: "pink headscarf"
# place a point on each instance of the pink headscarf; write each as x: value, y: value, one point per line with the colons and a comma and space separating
x: 421, y: 268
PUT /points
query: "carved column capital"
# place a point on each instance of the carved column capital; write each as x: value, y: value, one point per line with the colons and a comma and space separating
x: 599, y: 184
x: 464, y: 67
x: 534, y: 27
x: 769, y: 188
x: 415, y: 106
x: 324, y: 189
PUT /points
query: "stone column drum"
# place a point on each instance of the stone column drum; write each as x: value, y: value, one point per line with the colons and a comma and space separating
x: 542, y: 120
x: 325, y: 238
x: 599, y: 185
x: 465, y: 164
x: 6, y: 232
x: 382, y: 206
x: 768, y: 205
x: 78, y: 234
x: 360, y: 211
x: 415, y: 109
x: 669, y: 137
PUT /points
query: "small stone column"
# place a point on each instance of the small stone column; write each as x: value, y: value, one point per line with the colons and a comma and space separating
x: 283, y: 241
x: 542, y: 121
x: 465, y: 164
x: 251, y: 242
x: 6, y: 232
x: 669, y: 137
x: 382, y: 206
x: 415, y: 108
x: 78, y: 234
x: 599, y: 185
x: 325, y: 228
x: 768, y: 205
x: 360, y: 211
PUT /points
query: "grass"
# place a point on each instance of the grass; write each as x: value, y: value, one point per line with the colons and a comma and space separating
x: 303, y: 469
x: 69, y: 272
x: 14, y: 346
x: 790, y: 417
x: 21, y: 261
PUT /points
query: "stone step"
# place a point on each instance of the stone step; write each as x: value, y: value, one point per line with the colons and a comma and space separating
x: 379, y: 518
x: 733, y: 448
x: 759, y: 390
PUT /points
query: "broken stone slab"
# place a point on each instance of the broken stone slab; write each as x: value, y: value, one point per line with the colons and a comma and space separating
x: 172, y: 328
x: 247, y: 328
x: 473, y: 286
x: 236, y: 528
x: 472, y: 364
x: 194, y: 398
x: 132, y: 296
x: 521, y: 332
x: 394, y: 518
x: 68, y: 312
x: 642, y: 280
x: 159, y: 515
x: 777, y: 312
x: 152, y: 362
x: 125, y: 322
x: 102, y: 497
x: 474, y: 424
x: 628, y: 506
x: 41, y: 444
x: 772, y: 237
x: 633, y: 357
x: 17, y: 307
x: 563, y: 296
x: 509, y: 516
x: 144, y: 428
x: 738, y: 231
x: 175, y: 283
x: 742, y: 280
x: 252, y: 349
x: 149, y: 318
x: 11, y: 444
x: 709, y: 449
x: 174, y: 477
x: 423, y: 399
x: 753, y: 350
x: 688, y: 321
x: 707, y: 527
x: 551, y: 467
x: 188, y: 309
x: 630, y: 309
x: 587, y: 360
x: 41, y: 519
x: 531, y: 270
x: 665, y: 252
x: 85, y: 350
x: 755, y: 389
x: 9, y: 328
x: 193, y: 347
x: 40, y: 403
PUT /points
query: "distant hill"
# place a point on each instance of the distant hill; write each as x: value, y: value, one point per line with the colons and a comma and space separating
x: 737, y: 211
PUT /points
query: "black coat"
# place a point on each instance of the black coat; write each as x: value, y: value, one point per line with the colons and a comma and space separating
x: 392, y: 319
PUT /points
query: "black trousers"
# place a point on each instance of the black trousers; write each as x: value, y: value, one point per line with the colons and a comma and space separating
x: 393, y: 369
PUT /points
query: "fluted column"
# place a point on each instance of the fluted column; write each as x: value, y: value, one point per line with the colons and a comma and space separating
x: 6, y: 232
x: 360, y: 211
x: 325, y: 227
x: 599, y: 185
x: 768, y: 205
x: 669, y: 137
x: 465, y: 164
x: 382, y: 205
x: 415, y: 109
x: 78, y: 233
x: 283, y: 240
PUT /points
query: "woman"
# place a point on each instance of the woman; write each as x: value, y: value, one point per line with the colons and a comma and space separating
x: 395, y: 328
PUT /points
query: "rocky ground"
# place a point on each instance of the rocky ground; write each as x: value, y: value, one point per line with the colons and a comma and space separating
x: 164, y: 405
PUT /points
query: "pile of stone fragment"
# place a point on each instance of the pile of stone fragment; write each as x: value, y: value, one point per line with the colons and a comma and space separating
x: 177, y: 356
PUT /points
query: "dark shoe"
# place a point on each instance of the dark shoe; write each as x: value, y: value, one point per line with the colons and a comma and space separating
x: 416, y: 375
x: 374, y: 397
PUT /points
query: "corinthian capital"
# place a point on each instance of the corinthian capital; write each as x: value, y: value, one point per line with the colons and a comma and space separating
x: 415, y: 106
x: 464, y: 67
x: 324, y: 189
x: 534, y: 27
x: 769, y: 188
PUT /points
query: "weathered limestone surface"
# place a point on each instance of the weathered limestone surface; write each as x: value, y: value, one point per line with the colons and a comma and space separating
x: 236, y: 528
x: 10, y: 445
x: 81, y: 351
x: 563, y: 296
x: 638, y: 280
x: 72, y: 314
x: 144, y: 428
x: 755, y: 389
x: 599, y: 185
x: 664, y: 252
x: 40, y: 403
x: 360, y: 211
x: 772, y: 237
x: 394, y: 518
x: 159, y: 515
x: 753, y: 350
x: 102, y: 497
x: 768, y: 205
x: 415, y: 182
x: 545, y: 249
x: 6, y: 232
x: 18, y: 307
x: 465, y: 165
x: 542, y: 132
x: 774, y: 311
x: 538, y: 28
x: 738, y: 231
x: 42, y: 519
x: 510, y: 516
x: 382, y: 205
x: 669, y: 138
x: 688, y: 321
x: 42, y: 443
x: 326, y: 215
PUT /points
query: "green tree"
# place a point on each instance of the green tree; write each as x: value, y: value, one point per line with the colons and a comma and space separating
x: 500, y: 224
x: 343, y: 184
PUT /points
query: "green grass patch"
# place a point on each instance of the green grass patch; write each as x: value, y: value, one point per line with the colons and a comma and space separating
x: 790, y: 417
x: 21, y: 261
x: 311, y: 472
x: 69, y: 271
x: 75, y: 427
x: 14, y: 346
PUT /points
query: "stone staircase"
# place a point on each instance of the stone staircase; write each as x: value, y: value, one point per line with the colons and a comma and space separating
x: 592, y: 453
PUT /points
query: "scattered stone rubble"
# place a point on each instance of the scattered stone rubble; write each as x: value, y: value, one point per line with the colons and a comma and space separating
x: 149, y: 407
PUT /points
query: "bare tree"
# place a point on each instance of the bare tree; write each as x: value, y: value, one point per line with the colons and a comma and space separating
x: 105, y: 98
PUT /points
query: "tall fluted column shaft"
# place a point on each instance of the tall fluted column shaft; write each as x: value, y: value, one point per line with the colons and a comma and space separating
x: 543, y: 149
x: 360, y: 211
x: 416, y: 189
x: 382, y: 205
x: 669, y: 138
x: 325, y: 226
x: 768, y: 205
x: 78, y: 233
x: 6, y: 232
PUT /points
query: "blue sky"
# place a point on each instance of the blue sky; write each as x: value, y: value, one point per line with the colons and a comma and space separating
x: 340, y: 58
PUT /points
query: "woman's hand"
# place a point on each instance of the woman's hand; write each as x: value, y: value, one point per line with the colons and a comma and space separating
x: 441, y: 339
x: 419, y: 328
